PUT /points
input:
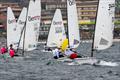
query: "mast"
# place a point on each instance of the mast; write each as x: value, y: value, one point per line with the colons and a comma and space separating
x: 24, y: 40
x: 24, y: 30
x: 20, y: 38
x: 67, y: 22
x: 92, y: 49
x: 21, y: 23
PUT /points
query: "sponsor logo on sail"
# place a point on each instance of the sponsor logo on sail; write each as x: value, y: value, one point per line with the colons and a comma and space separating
x: 103, y: 42
x: 58, y: 29
x: 57, y: 23
x: 11, y: 21
x: 21, y: 22
x: 33, y: 18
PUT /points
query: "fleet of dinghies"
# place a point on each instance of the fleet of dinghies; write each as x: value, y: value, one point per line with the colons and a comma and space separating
x: 24, y: 33
x: 103, y: 35
x: 57, y: 36
x: 14, y: 31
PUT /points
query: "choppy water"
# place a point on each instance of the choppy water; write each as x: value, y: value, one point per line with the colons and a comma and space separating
x: 37, y: 65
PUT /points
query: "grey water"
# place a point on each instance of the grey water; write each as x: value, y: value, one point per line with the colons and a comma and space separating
x: 38, y: 65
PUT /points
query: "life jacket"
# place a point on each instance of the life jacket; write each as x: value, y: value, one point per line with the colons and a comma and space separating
x: 73, y: 55
x: 11, y: 53
x: 3, y: 50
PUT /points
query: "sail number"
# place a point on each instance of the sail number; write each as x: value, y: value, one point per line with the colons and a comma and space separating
x: 111, y: 9
x: 111, y: 5
x: 71, y: 2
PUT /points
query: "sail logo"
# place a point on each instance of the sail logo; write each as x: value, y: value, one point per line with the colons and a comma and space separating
x: 58, y: 30
x: 11, y: 21
x: 71, y: 2
x: 57, y: 23
x: 21, y: 22
x: 103, y: 41
x: 76, y: 41
x: 33, y: 18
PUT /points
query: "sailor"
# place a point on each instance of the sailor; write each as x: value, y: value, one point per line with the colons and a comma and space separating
x: 57, y: 53
x: 47, y: 48
x: 3, y: 50
x: 71, y: 53
x: 11, y: 51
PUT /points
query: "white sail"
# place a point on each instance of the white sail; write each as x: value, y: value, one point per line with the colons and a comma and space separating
x: 57, y: 31
x: 11, y: 29
x: 38, y: 18
x: 33, y: 20
x: 20, y: 27
x: 73, y: 28
x: 104, y: 24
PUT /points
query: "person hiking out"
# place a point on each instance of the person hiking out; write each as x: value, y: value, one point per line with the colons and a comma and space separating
x: 72, y: 54
x: 57, y: 53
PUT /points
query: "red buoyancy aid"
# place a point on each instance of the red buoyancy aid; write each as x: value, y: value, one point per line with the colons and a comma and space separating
x: 73, y: 55
x: 12, y: 53
x: 3, y: 50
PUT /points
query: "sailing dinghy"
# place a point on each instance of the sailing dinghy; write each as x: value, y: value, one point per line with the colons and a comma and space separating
x: 11, y: 28
x: 73, y: 36
x: 32, y: 26
x: 103, y: 32
x: 73, y: 27
x: 57, y: 31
